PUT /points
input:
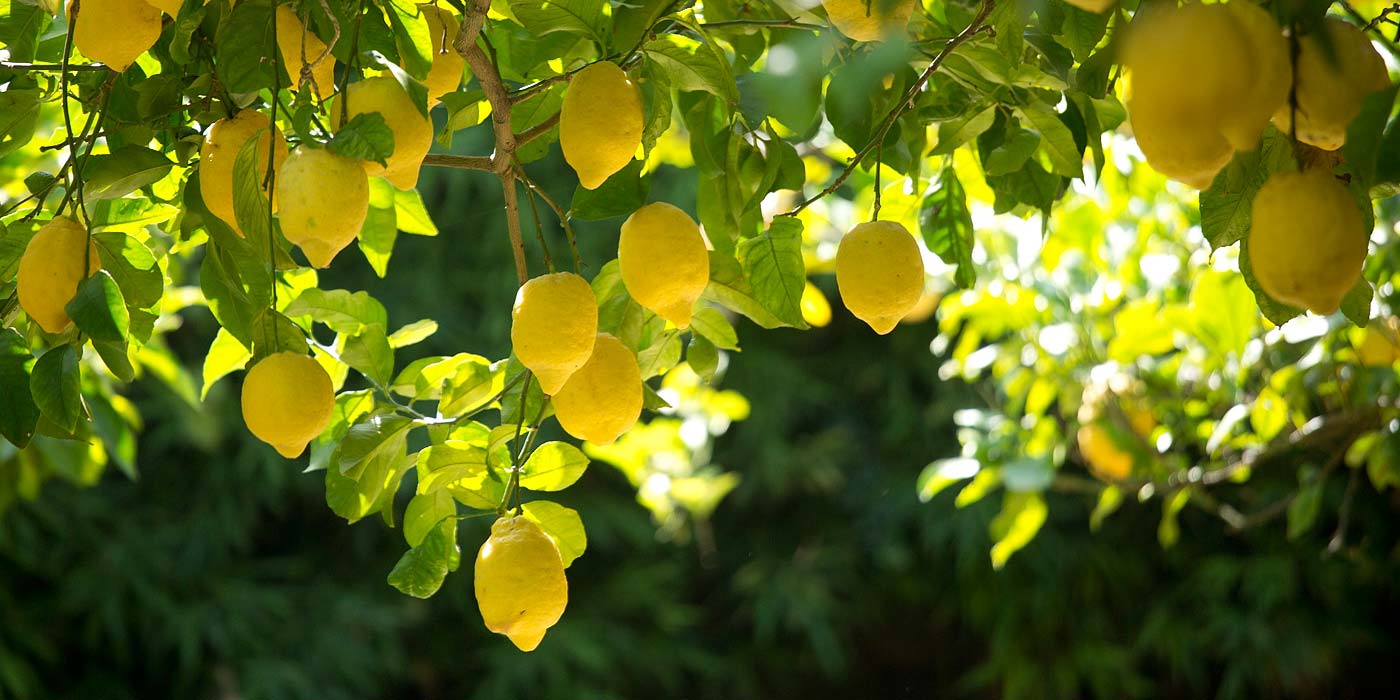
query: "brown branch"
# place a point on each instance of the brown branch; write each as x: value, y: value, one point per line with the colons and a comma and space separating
x: 537, y: 130
x: 447, y: 160
x: 978, y: 24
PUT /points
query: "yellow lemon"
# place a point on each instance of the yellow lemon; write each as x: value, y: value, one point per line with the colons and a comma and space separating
x: 1307, y: 240
x: 1104, y: 457
x: 324, y: 199
x: 287, y: 401
x: 815, y: 309
x: 879, y: 273
x: 600, y: 123
x: 603, y: 399
x: 115, y: 32
x: 1332, y: 86
x: 1380, y: 344
x: 222, y: 144
x: 1183, y: 151
x: 299, y: 47
x: 869, y: 20
x: 520, y: 584
x: 664, y: 263
x: 50, y: 270
x: 1097, y: 6
x: 413, y: 131
x: 553, y: 326
x: 446, y: 73
x: 1249, y: 112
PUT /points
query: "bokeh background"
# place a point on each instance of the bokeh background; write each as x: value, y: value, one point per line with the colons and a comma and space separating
x: 220, y: 572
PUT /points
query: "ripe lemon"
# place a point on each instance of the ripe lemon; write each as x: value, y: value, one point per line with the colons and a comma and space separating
x: 287, y: 401
x: 520, y: 583
x: 50, y: 270
x: 1098, y: 443
x: 300, y: 47
x: 553, y: 326
x: 219, y: 152
x: 869, y: 20
x: 446, y: 73
x: 816, y: 311
x: 1331, y: 87
x: 1104, y: 457
x: 115, y: 32
x: 1380, y: 344
x: 1307, y: 240
x: 664, y: 263
x: 603, y: 399
x: 413, y: 132
x: 324, y: 199
x: 879, y: 273
x: 1203, y: 81
x: 600, y: 123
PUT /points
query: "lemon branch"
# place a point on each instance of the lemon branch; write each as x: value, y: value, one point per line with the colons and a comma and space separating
x: 975, y: 27
x: 54, y: 67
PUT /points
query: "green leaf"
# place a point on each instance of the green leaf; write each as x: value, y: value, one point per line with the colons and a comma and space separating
x: 421, y: 570
x: 371, y: 438
x: 1302, y: 512
x: 226, y: 355
x: 413, y: 333
x: 582, y: 17
x: 1110, y: 498
x: 273, y: 332
x: 1022, y: 514
x: 773, y: 266
x: 620, y: 195
x: 250, y: 205
x: 946, y: 224
x: 56, y: 385
x: 659, y: 357
x: 714, y: 327
x: 412, y: 37
x: 1365, y: 134
x: 242, y: 45
x: 424, y: 513
x: 123, y: 171
x: 943, y: 473
x: 691, y: 66
x: 380, y: 229
x: 410, y: 214
x: 553, y: 466
x: 98, y: 308
x: 472, y: 383
x: 365, y: 137
x: 19, y: 415
x: 702, y: 357
x: 562, y: 525
x: 730, y: 289
x: 1276, y: 311
x: 133, y: 267
x: 344, y: 312
x: 1055, y: 139
x: 1356, y: 305
x: 1226, y: 204
x: 1168, y: 530
x: 19, y: 116
x: 957, y: 132
x: 369, y: 352
x: 1220, y: 312
x: 460, y: 468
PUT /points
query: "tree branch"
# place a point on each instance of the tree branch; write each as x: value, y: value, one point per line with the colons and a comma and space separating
x: 537, y: 130
x: 55, y: 67
x: 978, y: 24
x: 447, y: 160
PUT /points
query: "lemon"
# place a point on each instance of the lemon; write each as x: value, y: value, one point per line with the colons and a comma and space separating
x: 1331, y: 87
x: 446, y: 73
x: 1202, y: 81
x: 1307, y: 240
x: 816, y: 311
x: 922, y: 311
x: 603, y: 399
x: 520, y: 583
x: 553, y: 327
x: 115, y: 32
x: 879, y: 273
x: 287, y: 401
x: 664, y: 263
x: 1104, y: 457
x: 324, y: 199
x: 300, y: 47
x: 50, y: 270
x: 869, y: 20
x: 600, y: 123
x: 1380, y: 344
x: 222, y: 144
x: 413, y: 131
x: 1097, y: 6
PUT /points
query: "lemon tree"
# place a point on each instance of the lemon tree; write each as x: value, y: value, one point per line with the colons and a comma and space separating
x: 175, y: 158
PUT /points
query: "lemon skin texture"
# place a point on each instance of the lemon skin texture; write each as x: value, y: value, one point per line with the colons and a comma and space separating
x: 413, y: 132
x: 324, y: 200
x: 553, y: 327
x: 879, y: 273
x: 600, y: 123
x: 446, y: 74
x: 50, y: 270
x: 519, y: 581
x: 1307, y: 240
x: 869, y: 21
x: 220, y: 150
x: 603, y: 399
x: 1332, y: 88
x: 663, y: 260
x: 115, y: 32
x: 287, y: 401
x: 290, y: 37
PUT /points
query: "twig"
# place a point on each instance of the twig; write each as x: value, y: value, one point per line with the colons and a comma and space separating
x: 447, y: 160
x: 559, y: 213
x: 1339, y: 537
x: 766, y: 24
x: 539, y: 232
x: 537, y: 130
x: 974, y: 28
x: 55, y: 67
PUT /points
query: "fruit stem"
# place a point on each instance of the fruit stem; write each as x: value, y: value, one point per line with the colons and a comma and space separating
x: 514, y: 483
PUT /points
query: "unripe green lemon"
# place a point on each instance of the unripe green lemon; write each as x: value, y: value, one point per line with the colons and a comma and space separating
x: 413, y: 131
x: 880, y: 273
x: 663, y: 260
x: 50, y: 270
x: 603, y: 399
x: 1307, y: 240
x: 324, y: 199
x: 1332, y: 86
x: 115, y: 32
x: 600, y: 123
x: 219, y: 152
x: 553, y: 326
x: 519, y: 581
x: 287, y: 401
x: 869, y: 20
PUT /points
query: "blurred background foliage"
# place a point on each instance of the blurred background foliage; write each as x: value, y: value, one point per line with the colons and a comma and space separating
x: 778, y: 535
